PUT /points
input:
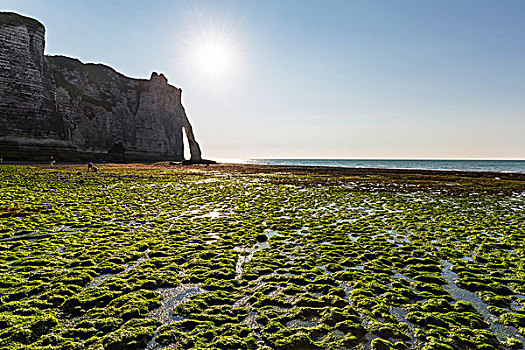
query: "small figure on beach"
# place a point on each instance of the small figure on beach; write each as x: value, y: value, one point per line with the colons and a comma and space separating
x: 52, y: 160
x: 92, y: 167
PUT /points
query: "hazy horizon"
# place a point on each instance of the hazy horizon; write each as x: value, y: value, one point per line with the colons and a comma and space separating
x: 318, y: 80
x: 445, y: 159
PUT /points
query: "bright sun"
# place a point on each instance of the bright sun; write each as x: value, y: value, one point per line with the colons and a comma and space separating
x: 213, y: 59
x: 213, y: 51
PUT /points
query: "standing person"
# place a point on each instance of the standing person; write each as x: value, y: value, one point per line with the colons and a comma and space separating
x: 52, y: 160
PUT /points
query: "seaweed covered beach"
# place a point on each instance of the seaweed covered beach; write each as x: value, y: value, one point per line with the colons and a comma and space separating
x: 153, y: 256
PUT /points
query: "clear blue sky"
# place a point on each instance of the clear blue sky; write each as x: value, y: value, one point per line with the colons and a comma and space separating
x: 319, y: 79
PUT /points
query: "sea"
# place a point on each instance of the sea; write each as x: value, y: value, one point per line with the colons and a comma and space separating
x: 511, y: 166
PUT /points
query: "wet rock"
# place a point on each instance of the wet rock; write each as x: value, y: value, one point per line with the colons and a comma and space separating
x: 261, y: 238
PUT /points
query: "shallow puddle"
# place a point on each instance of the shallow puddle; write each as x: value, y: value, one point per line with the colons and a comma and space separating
x: 244, y: 258
x: 99, y: 279
x: 171, y: 297
x: 301, y: 324
x: 500, y: 331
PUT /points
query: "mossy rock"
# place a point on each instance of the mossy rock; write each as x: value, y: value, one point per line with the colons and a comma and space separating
x: 134, y: 334
x: 464, y: 306
x: 261, y: 238
x: 234, y: 342
x: 296, y: 341
x: 79, y: 333
x: 387, y: 330
x: 513, y: 319
x: 436, y: 345
x: 513, y: 344
x: 350, y: 327
x: 381, y: 344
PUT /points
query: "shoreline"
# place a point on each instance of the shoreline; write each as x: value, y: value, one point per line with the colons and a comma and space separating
x: 296, y: 169
x: 376, y: 171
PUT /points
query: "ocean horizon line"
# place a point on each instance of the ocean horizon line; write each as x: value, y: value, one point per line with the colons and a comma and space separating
x: 402, y: 159
x: 490, y: 165
x: 241, y: 160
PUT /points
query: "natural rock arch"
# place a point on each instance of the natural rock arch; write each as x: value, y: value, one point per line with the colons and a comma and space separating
x: 78, y: 111
x: 195, y: 150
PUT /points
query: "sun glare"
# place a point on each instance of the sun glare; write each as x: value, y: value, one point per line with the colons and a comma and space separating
x: 212, y: 50
x: 213, y: 59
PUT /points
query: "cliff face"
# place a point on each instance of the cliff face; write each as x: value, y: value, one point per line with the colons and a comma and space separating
x: 59, y: 106
x: 28, y: 115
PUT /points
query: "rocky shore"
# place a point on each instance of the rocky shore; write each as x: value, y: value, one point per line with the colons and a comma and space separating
x: 229, y: 256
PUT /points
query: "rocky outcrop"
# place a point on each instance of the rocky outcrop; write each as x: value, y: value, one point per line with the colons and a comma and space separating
x: 55, y: 105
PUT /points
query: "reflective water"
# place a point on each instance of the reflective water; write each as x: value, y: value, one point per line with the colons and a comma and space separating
x: 517, y: 166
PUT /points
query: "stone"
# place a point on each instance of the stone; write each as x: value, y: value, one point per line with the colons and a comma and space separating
x: 56, y: 105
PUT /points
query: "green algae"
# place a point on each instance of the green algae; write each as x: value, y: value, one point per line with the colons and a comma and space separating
x: 137, y: 257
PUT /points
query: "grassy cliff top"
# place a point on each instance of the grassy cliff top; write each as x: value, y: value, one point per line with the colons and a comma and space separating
x: 11, y: 18
x: 99, y: 70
